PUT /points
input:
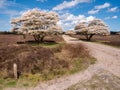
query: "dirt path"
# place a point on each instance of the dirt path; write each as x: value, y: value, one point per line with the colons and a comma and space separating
x: 108, y: 63
x: 108, y: 57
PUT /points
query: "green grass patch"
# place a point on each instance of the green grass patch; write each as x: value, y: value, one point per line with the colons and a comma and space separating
x: 11, y: 83
x: 92, y: 60
x: 81, y: 64
x: 29, y: 80
x: 48, y: 44
x: 1, y: 81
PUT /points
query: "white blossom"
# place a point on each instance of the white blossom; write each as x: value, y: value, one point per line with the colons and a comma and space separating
x: 36, y: 22
x: 91, y: 28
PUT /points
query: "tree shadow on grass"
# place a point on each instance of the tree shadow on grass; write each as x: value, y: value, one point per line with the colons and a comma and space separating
x: 83, y: 40
x: 88, y: 40
x: 44, y: 43
x: 20, y: 42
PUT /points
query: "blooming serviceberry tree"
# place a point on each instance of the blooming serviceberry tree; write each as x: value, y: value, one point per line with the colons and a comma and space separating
x: 94, y: 27
x: 36, y: 23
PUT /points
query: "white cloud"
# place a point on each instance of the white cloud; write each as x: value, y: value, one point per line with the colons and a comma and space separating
x: 4, y: 7
x: 11, y: 13
x: 90, y: 18
x: 68, y: 20
x: 114, y: 9
x: 69, y: 4
x: 115, y: 17
x: 107, y: 18
x: 93, y: 11
x: 41, y: 0
x: 5, y: 3
x: 96, y: 9
x: 105, y: 5
x: 2, y: 3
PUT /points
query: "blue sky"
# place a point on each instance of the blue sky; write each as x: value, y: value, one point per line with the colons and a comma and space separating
x: 71, y: 12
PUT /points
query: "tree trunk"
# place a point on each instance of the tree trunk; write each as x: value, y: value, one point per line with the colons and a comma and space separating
x: 38, y: 38
x: 88, y: 37
x: 35, y: 37
x: 24, y: 36
x: 42, y: 38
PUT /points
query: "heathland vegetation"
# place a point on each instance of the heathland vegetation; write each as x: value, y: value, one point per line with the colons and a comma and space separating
x: 36, y: 46
x: 39, y: 61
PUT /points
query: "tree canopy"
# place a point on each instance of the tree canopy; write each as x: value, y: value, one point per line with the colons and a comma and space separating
x: 37, y: 23
x: 92, y: 28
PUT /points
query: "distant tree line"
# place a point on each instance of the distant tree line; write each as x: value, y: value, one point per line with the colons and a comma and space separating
x: 114, y: 32
x: 7, y: 32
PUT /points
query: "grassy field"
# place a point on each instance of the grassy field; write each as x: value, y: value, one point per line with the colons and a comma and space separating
x: 39, y: 62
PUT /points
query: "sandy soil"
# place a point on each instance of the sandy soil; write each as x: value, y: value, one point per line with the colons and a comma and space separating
x: 108, y: 63
x: 108, y: 57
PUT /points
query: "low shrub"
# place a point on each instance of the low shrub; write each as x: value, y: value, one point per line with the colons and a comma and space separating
x: 37, y: 63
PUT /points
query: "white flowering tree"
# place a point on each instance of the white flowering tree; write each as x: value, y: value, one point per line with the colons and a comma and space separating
x: 95, y: 27
x: 36, y: 23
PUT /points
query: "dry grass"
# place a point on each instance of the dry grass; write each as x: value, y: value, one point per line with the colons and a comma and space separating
x: 18, y: 39
x: 75, y: 50
x: 38, y: 59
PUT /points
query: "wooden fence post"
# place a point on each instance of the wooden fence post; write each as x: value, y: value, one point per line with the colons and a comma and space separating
x: 15, y: 71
